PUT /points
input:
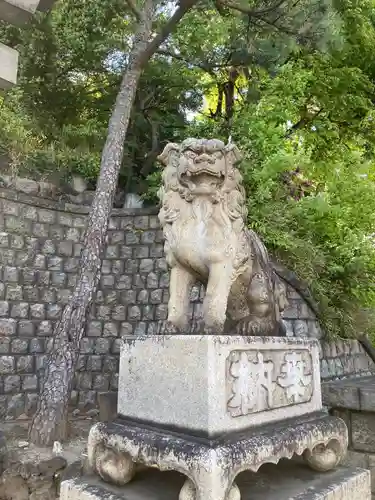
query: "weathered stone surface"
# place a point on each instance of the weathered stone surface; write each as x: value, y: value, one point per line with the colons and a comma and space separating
x: 341, y: 394
x: 363, y: 460
x: 208, y: 383
x: 16, y: 406
x: 32, y: 480
x: 351, y: 393
x: 3, y: 452
x: 363, y: 431
x: 78, y: 184
x: 367, y: 395
x: 107, y: 406
x: 345, y: 358
x: 27, y: 186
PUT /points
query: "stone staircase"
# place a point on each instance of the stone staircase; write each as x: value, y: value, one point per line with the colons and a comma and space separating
x: 289, y: 480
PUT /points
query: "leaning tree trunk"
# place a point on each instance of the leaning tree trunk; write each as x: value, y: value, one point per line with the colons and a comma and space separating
x: 50, y: 420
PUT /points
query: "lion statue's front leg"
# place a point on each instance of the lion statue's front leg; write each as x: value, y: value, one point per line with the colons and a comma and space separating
x: 181, y: 281
x: 216, y: 297
x: 214, y: 303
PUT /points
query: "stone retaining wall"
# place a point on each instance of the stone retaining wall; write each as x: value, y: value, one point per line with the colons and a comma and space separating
x: 343, y: 359
x: 40, y: 245
x: 353, y: 400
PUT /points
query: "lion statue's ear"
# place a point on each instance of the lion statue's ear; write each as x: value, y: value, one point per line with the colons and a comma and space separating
x: 233, y: 154
x: 169, y: 149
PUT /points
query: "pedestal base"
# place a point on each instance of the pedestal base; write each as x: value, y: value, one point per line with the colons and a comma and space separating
x: 211, y: 466
x: 285, y: 481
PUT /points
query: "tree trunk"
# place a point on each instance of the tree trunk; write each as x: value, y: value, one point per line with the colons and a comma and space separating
x: 50, y: 420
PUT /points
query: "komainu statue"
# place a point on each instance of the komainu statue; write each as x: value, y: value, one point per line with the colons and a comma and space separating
x: 203, y: 215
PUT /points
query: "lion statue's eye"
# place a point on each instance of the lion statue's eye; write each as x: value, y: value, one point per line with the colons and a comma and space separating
x: 190, y: 154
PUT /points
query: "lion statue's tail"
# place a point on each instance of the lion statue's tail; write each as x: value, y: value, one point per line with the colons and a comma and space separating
x: 275, y: 285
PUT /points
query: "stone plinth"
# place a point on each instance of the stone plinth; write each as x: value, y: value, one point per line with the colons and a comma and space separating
x: 9, y: 66
x: 211, y: 466
x: 211, y: 385
x: 285, y: 481
x: 212, y: 407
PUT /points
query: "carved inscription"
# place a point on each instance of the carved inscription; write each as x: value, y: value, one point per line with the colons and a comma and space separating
x: 294, y: 378
x: 264, y: 380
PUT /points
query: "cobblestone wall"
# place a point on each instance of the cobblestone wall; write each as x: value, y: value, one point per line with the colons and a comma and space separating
x: 40, y: 245
x: 344, y: 358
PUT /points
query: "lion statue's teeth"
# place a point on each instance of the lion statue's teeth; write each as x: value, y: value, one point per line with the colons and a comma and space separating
x: 206, y: 238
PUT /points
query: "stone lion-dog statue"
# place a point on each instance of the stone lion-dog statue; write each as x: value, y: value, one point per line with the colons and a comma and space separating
x: 203, y: 216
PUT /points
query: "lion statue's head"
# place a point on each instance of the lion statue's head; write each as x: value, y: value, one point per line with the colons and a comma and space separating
x: 201, y: 168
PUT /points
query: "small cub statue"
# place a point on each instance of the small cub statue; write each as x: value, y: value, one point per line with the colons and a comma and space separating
x: 203, y: 215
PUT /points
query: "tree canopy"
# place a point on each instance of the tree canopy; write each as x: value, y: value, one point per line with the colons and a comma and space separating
x: 292, y: 83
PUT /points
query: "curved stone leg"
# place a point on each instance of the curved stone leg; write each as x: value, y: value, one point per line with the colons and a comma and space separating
x: 112, y: 466
x: 209, y: 490
x: 323, y: 458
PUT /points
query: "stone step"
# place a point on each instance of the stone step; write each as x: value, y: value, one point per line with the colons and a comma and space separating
x: 289, y: 480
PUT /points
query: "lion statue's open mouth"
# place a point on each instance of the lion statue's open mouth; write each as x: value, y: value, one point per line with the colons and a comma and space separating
x: 203, y: 216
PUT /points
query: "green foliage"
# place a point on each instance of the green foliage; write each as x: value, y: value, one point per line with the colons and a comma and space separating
x: 293, y: 87
x: 324, y: 236
x: 313, y: 126
x: 71, y: 63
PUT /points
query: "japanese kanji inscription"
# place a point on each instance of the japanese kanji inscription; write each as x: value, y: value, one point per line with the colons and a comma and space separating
x: 265, y: 380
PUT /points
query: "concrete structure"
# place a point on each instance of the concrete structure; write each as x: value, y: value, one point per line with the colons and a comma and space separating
x: 239, y: 395
x: 16, y: 12
x: 40, y: 242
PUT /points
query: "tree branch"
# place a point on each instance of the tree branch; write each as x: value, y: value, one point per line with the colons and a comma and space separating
x: 253, y: 13
x: 133, y: 7
x: 305, y: 120
x: 166, y: 30
x: 208, y: 68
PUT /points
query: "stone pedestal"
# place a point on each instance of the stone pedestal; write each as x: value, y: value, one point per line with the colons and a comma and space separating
x: 213, y: 385
x: 211, y: 407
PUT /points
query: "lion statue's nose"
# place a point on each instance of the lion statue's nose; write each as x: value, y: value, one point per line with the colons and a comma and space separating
x: 204, y: 158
